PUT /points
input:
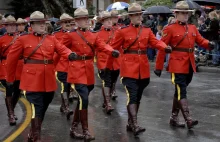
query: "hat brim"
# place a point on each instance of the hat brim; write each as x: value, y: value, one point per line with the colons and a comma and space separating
x: 103, y: 18
x: 38, y: 20
x: 84, y: 16
x: 132, y: 13
x: 8, y: 23
x: 21, y: 23
x: 64, y: 20
x: 181, y: 10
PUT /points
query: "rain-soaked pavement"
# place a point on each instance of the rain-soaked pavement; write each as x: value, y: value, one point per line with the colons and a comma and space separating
x: 203, y: 95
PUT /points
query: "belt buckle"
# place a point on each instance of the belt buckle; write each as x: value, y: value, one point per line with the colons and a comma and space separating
x: 83, y: 57
x: 190, y: 50
x: 45, y: 61
x: 139, y: 52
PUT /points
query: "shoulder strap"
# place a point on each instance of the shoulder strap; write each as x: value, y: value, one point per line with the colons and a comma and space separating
x: 84, y: 39
x: 184, y: 36
x: 35, y: 49
x: 139, y: 33
x: 109, y: 39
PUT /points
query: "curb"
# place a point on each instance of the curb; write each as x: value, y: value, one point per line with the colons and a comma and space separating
x: 209, y: 69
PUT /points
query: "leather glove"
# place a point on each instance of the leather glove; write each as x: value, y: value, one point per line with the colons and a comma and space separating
x: 115, y: 53
x: 212, y: 44
x: 9, y: 84
x: 72, y: 56
x: 168, y: 49
x: 158, y: 72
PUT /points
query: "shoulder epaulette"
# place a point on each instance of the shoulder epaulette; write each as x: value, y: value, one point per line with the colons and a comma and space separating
x: 55, y: 32
x: 124, y: 26
x: 92, y: 31
x: 24, y: 33
x: 73, y: 30
x: 144, y: 26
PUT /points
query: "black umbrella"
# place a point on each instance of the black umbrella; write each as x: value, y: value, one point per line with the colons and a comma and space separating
x: 157, y: 10
x: 208, y: 2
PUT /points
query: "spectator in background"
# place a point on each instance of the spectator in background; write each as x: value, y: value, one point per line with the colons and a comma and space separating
x: 2, y: 28
x: 98, y: 24
x: 213, y: 35
x: 162, y: 20
x: 202, y: 28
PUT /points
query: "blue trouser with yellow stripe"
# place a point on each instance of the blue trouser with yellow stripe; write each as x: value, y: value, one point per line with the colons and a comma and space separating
x: 181, y: 81
x: 134, y: 89
x: 39, y: 102
x: 83, y: 93
x: 62, y: 78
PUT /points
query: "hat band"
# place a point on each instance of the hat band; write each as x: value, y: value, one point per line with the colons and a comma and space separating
x: 182, y: 9
x: 81, y: 16
x: 134, y: 11
x: 40, y: 19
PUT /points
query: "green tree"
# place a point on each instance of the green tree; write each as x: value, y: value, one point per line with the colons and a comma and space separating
x: 149, y: 3
x: 52, y: 8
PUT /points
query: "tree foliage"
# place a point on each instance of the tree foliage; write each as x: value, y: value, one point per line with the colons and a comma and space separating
x: 52, y: 8
x: 149, y: 3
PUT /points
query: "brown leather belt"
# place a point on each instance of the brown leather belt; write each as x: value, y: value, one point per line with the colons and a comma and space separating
x: 188, y: 50
x: 33, y: 61
x: 135, y: 52
x: 84, y: 57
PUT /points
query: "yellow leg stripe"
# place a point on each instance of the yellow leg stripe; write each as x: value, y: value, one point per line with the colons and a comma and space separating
x: 121, y: 80
x: 24, y: 92
x: 128, y: 95
x: 33, y: 111
x: 61, y: 84
x: 80, y: 99
x: 173, y: 78
x: 178, y: 92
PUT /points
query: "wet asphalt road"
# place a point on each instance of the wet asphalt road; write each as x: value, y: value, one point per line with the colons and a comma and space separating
x: 155, y: 110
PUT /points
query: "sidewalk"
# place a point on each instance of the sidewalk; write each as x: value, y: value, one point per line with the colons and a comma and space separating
x: 201, y: 68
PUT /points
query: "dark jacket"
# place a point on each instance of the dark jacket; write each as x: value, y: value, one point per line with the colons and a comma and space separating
x: 212, y: 31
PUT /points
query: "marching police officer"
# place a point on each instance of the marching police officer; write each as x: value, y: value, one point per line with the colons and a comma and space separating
x: 115, y: 69
x: 134, y: 69
x: 107, y: 33
x: 62, y: 66
x: 81, y: 71
x: 37, y: 78
x: 6, y: 41
x: 21, y: 23
x: 182, y: 38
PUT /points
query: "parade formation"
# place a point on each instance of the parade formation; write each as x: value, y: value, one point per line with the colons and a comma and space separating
x: 35, y: 62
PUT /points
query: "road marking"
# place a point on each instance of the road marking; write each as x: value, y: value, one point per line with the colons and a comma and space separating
x: 24, y: 124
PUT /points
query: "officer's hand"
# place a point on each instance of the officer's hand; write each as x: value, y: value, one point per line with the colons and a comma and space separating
x: 158, y: 72
x: 72, y: 56
x: 212, y: 44
x: 115, y: 53
x: 9, y: 84
x: 168, y: 49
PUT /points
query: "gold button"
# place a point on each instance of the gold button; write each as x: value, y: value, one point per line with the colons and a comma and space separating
x: 27, y: 70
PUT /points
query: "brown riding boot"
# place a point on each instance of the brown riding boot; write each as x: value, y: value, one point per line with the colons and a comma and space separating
x: 84, y: 121
x: 174, y: 121
x: 104, y: 101
x: 11, y: 118
x: 132, y: 110
x: 75, y: 123
x: 35, y: 132
x: 108, y: 106
x: 113, y: 92
x: 65, y: 105
x: 15, y: 99
x: 185, y: 111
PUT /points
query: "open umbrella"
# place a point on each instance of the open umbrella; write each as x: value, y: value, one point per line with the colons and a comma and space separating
x: 53, y: 19
x: 117, y: 6
x: 207, y: 2
x: 157, y: 10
